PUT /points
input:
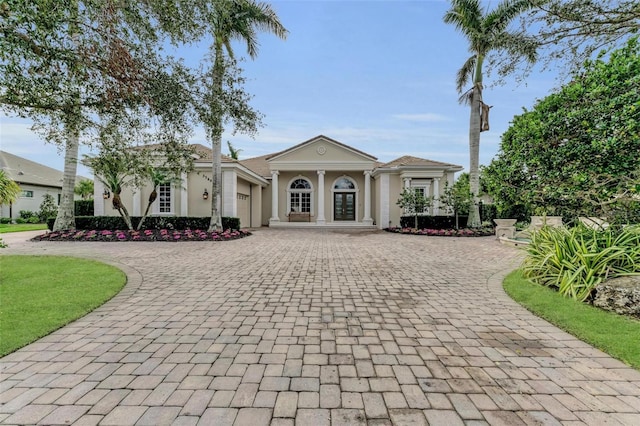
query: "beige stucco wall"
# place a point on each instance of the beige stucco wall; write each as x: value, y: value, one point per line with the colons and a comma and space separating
x: 197, y: 183
x: 395, y: 188
x: 266, y: 205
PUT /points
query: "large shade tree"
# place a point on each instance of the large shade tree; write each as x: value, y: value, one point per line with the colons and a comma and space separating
x: 65, y: 62
x: 487, y: 33
x: 577, y: 152
x: 230, y: 20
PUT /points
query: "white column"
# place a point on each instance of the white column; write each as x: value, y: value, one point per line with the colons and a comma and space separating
x: 367, y: 198
x: 436, y: 196
x: 274, y: 197
x: 137, y: 199
x: 184, y: 195
x: 320, y: 220
x: 98, y: 200
x: 230, y: 193
x: 407, y: 183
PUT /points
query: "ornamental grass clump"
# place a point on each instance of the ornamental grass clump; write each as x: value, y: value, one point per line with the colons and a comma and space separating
x: 575, y: 260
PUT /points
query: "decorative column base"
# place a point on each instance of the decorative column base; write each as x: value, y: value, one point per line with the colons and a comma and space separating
x: 368, y: 222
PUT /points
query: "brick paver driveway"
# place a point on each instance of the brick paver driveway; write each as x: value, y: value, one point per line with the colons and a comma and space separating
x: 312, y: 328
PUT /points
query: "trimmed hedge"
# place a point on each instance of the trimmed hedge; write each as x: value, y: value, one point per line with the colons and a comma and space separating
x: 83, y: 207
x: 113, y: 223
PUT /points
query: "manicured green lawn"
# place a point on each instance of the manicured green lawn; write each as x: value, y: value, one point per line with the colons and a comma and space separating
x: 39, y: 294
x: 617, y: 335
x: 19, y: 227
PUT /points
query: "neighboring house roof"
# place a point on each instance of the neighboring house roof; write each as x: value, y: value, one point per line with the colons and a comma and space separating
x: 24, y: 171
x: 205, y: 153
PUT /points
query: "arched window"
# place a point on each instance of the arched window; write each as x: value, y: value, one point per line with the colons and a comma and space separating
x: 300, y: 200
x: 344, y: 183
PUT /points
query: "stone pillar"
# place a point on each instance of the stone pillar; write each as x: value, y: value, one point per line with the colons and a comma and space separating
x: 407, y: 183
x: 184, y: 195
x: 274, y: 197
x: 367, y: 198
x: 436, y: 196
x: 320, y: 220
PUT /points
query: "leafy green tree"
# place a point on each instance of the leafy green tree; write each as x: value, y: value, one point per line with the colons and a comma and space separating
x: 414, y: 203
x: 84, y: 189
x: 9, y: 190
x: 231, y: 20
x: 66, y: 62
x: 577, y: 152
x: 487, y: 34
x: 48, y: 208
x: 457, y: 197
x: 570, y: 32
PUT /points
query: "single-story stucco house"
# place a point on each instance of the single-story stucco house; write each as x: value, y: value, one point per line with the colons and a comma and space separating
x: 319, y: 182
x: 34, y: 179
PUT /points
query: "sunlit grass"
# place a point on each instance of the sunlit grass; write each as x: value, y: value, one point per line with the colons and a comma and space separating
x: 39, y: 294
x: 19, y: 227
x: 617, y: 335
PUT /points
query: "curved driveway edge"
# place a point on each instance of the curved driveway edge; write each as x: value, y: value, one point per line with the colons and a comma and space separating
x: 312, y: 327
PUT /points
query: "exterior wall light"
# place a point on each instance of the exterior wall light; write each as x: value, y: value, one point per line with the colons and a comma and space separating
x: 106, y: 194
x: 205, y: 195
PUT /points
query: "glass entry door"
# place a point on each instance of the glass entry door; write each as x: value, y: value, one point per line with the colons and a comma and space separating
x: 344, y: 206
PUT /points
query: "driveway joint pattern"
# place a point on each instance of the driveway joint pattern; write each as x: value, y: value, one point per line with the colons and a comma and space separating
x: 314, y: 327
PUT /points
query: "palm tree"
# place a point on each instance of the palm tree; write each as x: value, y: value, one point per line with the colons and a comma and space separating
x: 84, y: 189
x: 233, y: 20
x: 233, y: 151
x: 486, y: 33
x: 157, y: 178
x: 9, y: 190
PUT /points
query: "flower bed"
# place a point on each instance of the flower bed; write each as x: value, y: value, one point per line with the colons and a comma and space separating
x: 463, y: 232
x: 146, y: 235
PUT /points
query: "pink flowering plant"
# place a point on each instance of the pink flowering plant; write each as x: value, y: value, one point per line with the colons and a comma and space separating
x: 146, y: 235
x: 462, y: 232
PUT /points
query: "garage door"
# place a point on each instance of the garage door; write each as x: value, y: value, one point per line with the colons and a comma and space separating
x: 244, y: 210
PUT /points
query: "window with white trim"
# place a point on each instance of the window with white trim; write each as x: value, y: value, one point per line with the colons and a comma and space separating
x: 165, y: 204
x: 300, y: 200
x: 26, y: 194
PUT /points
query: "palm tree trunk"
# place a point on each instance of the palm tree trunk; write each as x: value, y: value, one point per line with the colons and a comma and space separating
x: 124, y: 213
x: 66, y: 211
x: 152, y: 198
x: 216, y: 144
x: 474, y: 145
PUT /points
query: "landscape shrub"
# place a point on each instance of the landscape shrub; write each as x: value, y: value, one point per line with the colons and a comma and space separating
x: 488, y: 212
x: 575, y: 260
x: 48, y: 208
x: 26, y: 214
x: 33, y: 219
x: 83, y: 207
x: 5, y: 220
x: 113, y: 223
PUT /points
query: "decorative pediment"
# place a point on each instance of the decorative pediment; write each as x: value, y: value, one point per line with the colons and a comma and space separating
x: 321, y: 152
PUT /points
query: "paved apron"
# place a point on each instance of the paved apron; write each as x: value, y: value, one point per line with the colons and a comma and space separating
x: 312, y: 328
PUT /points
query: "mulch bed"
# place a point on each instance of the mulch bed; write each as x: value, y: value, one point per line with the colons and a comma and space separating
x: 463, y: 232
x: 145, y: 235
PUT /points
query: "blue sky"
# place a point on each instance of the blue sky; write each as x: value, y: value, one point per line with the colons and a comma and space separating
x: 375, y: 75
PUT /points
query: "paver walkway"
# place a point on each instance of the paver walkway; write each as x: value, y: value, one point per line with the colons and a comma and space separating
x: 312, y: 328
